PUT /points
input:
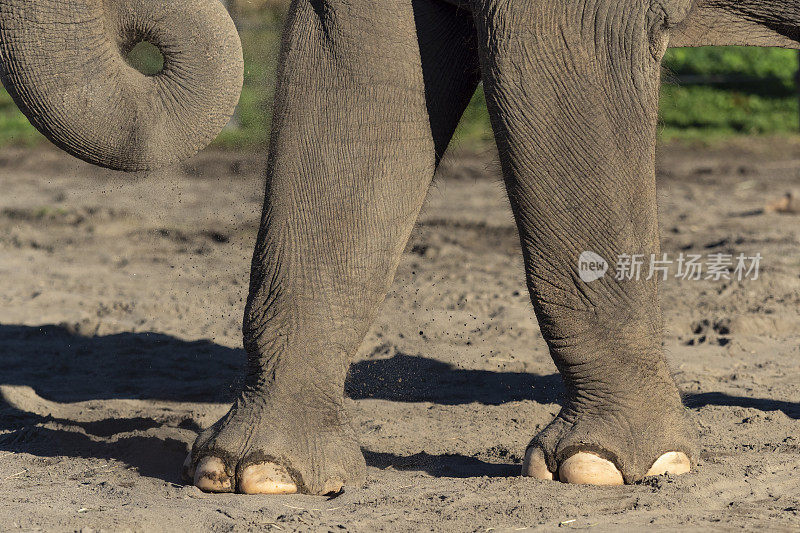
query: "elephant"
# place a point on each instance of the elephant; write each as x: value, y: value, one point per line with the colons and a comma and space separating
x: 369, y: 94
x: 64, y: 64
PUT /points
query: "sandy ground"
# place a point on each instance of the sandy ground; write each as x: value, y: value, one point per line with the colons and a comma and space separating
x: 120, y: 309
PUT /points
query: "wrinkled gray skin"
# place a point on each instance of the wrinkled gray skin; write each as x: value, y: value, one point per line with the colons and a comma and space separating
x: 64, y: 64
x: 369, y: 94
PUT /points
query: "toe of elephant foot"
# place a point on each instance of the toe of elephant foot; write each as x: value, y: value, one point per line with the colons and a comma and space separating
x: 212, y: 475
x: 260, y: 473
x: 587, y: 468
x: 674, y: 463
x: 267, y: 478
x: 535, y: 465
x: 252, y: 451
x: 614, y: 445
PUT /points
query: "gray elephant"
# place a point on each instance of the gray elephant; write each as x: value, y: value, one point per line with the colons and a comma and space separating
x: 369, y: 94
x: 368, y: 97
x: 64, y: 63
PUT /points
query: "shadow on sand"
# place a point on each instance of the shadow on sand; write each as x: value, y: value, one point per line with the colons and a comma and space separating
x: 65, y: 368
x: 790, y: 409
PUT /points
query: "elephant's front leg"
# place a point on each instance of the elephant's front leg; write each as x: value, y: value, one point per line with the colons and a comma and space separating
x: 573, y: 90
x: 368, y: 95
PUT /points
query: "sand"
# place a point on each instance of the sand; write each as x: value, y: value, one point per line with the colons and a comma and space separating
x: 120, y: 307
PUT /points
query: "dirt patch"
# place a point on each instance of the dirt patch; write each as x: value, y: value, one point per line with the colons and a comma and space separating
x: 120, y: 312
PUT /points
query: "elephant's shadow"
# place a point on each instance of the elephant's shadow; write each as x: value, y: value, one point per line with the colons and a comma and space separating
x: 65, y: 368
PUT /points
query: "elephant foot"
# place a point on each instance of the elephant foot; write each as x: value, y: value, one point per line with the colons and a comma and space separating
x: 587, y: 468
x: 610, y: 447
x: 269, y: 447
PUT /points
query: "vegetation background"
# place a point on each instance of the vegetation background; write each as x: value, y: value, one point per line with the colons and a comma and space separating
x: 709, y: 94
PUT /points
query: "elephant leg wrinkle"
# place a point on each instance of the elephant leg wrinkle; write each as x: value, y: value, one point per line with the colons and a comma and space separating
x: 363, y: 114
x: 573, y: 104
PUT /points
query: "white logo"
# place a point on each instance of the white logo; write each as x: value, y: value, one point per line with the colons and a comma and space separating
x: 591, y: 267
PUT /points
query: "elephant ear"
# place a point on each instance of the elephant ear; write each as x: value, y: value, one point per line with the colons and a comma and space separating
x: 64, y: 63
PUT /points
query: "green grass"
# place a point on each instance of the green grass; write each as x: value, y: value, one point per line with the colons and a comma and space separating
x: 474, y: 129
x: 14, y: 127
x: 146, y: 58
x: 706, y: 110
x: 761, y: 100
x: 772, y: 64
x: 254, y: 113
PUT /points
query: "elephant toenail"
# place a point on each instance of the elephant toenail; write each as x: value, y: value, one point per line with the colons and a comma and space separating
x: 266, y: 478
x: 211, y: 476
x: 674, y: 463
x: 586, y: 468
x: 535, y: 466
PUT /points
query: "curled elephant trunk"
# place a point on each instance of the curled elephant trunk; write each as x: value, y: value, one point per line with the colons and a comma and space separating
x: 65, y: 64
